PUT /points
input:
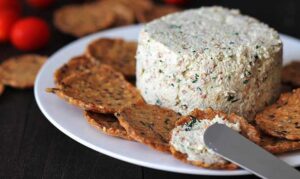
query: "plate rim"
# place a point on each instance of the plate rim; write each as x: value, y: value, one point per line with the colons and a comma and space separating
x: 238, y: 172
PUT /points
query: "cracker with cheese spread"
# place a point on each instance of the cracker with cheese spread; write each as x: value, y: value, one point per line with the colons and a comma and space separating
x: 107, y: 123
x: 117, y: 53
x: 149, y: 124
x: 187, y: 143
x: 282, y: 119
x: 100, y: 89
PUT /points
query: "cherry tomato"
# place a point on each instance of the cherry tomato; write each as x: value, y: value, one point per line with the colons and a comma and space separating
x: 176, y: 2
x: 29, y: 34
x: 13, y: 5
x: 40, y: 3
x: 7, y: 19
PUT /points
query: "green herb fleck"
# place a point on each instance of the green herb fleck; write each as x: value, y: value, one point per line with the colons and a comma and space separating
x: 214, y: 78
x: 199, y: 89
x: 160, y: 71
x: 257, y: 46
x: 231, y: 43
x: 158, y: 102
x: 236, y: 33
x: 196, y: 78
x: 245, y: 81
x: 173, y: 26
x: 172, y: 84
x: 191, y: 123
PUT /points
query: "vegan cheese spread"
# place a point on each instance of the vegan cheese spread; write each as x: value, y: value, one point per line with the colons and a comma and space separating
x: 209, y: 57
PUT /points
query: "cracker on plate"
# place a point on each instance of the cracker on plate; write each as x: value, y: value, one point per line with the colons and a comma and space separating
x: 107, y: 123
x: 20, y: 71
x: 277, y: 145
x: 291, y: 73
x: 117, y: 53
x: 100, y: 89
x: 148, y: 124
x: 282, y: 119
x: 80, y: 20
x: 74, y: 65
x: 247, y: 130
x: 157, y: 12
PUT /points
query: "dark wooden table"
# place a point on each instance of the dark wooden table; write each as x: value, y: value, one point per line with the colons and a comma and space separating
x: 31, y: 147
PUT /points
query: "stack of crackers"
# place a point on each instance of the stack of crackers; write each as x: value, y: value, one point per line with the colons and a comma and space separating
x: 80, y: 20
x: 101, y: 83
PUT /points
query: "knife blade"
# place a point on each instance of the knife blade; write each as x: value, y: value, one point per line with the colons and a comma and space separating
x: 236, y: 148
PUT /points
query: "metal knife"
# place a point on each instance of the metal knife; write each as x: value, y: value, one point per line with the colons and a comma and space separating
x: 235, y: 148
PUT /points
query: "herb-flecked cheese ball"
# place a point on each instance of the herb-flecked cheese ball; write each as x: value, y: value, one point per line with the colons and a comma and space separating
x: 209, y: 57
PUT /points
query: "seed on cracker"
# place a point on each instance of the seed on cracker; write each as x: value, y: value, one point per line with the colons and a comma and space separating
x: 80, y: 20
x: 157, y: 12
x: 149, y: 124
x: 75, y: 65
x: 20, y: 71
x: 117, y: 53
x: 282, y: 119
x: 291, y: 73
x: 209, y: 114
x: 100, y: 89
x: 107, y: 123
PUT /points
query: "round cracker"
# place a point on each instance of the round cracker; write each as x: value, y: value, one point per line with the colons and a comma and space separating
x: 247, y: 130
x: 149, y: 124
x: 107, y: 123
x: 100, y: 89
x: 138, y: 7
x: 157, y: 12
x: 123, y: 15
x: 291, y: 73
x: 278, y: 146
x: 282, y: 119
x: 1, y: 88
x: 73, y: 66
x: 80, y: 20
x: 20, y: 71
x: 117, y: 53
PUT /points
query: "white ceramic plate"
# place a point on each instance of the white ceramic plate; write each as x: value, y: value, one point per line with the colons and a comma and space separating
x: 70, y: 120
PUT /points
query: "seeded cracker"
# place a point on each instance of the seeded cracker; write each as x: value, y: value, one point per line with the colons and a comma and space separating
x: 107, y: 123
x: 100, y: 89
x: 80, y: 20
x: 1, y: 88
x: 246, y: 129
x: 157, y: 12
x: 291, y: 73
x: 278, y: 146
x: 282, y: 119
x: 75, y: 65
x: 124, y: 15
x: 149, y: 124
x: 117, y: 53
x: 20, y: 71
